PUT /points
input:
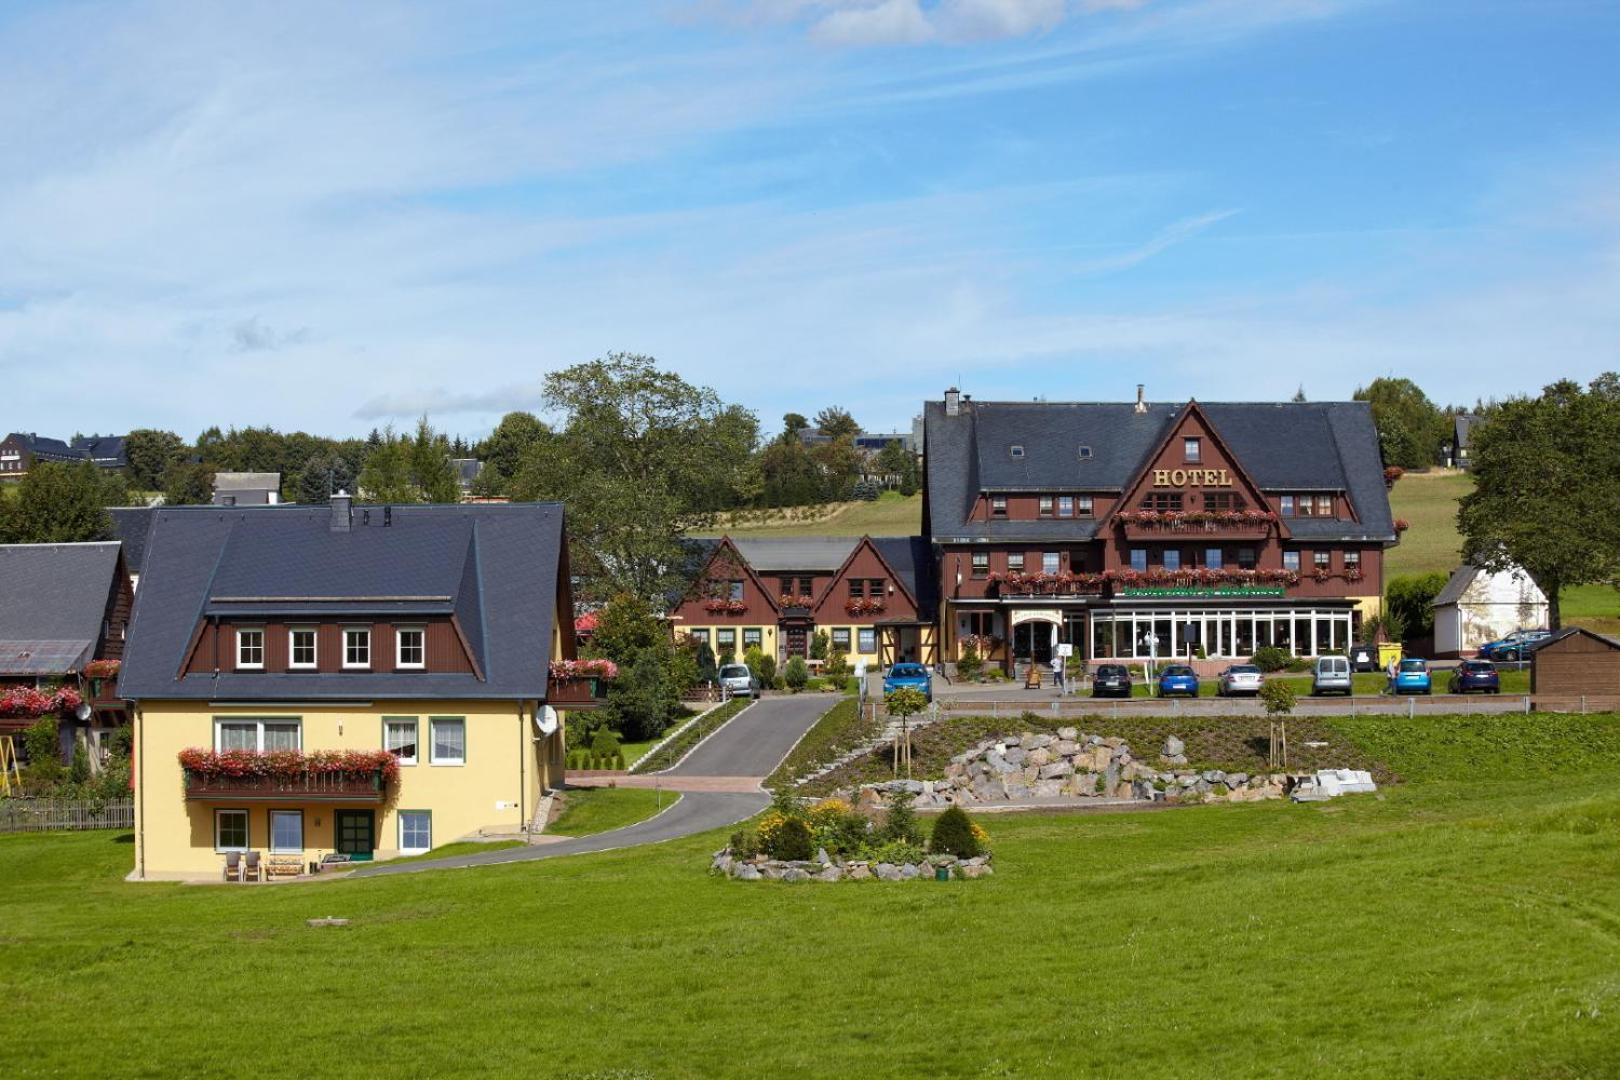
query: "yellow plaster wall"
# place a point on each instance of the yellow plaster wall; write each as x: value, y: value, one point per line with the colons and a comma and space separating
x: 507, y: 763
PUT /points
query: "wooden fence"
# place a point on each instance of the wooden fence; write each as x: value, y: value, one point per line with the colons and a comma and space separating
x: 64, y: 815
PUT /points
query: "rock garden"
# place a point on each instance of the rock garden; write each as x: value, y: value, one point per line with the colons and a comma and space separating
x: 833, y: 841
x: 1044, y: 767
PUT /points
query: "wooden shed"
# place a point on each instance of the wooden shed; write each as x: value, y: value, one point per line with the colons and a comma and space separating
x: 1576, y: 662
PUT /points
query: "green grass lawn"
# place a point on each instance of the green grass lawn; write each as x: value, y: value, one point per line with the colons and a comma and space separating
x: 891, y: 514
x: 843, y: 727
x: 1438, y: 929
x: 594, y: 810
x: 460, y: 847
x: 707, y: 723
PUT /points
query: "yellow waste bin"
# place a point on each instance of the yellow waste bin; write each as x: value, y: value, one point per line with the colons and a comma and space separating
x: 1388, y: 654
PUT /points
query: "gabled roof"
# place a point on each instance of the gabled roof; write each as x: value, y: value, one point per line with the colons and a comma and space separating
x: 1292, y: 446
x: 1456, y: 585
x: 130, y: 526
x: 810, y: 553
x: 494, y: 567
x: 1571, y: 631
x: 912, y: 560
x: 53, y: 599
x: 1462, y: 429
x: 103, y: 449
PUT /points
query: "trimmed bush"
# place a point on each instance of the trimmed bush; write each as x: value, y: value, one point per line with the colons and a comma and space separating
x: 604, y: 743
x: 1269, y: 658
x: 796, y: 674
x: 901, y: 824
x: 744, y: 844
x: 953, y: 835
x: 790, y: 841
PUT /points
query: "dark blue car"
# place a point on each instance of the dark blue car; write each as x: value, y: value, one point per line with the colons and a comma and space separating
x: 1178, y: 679
x: 1475, y: 676
x: 909, y: 677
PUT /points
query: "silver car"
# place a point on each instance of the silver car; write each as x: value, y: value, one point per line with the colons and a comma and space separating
x: 1331, y: 675
x: 738, y: 681
x: 1239, y: 679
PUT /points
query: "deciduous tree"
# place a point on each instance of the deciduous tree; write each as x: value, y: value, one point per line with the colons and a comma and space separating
x: 57, y: 503
x: 1410, y: 427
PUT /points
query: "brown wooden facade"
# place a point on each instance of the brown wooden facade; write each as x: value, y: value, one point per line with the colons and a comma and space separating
x: 1576, y: 663
x: 214, y: 648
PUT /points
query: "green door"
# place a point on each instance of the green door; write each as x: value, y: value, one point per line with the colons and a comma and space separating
x: 356, y: 833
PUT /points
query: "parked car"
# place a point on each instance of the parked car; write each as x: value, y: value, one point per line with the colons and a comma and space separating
x: 1515, y: 646
x: 909, y: 677
x: 1364, y: 658
x: 738, y: 681
x: 1111, y: 680
x: 1412, y: 677
x: 1178, y: 679
x: 1331, y: 675
x: 1239, y: 679
x: 1472, y: 675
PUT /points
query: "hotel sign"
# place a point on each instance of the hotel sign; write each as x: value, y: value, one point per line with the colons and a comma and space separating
x: 1191, y: 478
x: 1193, y: 592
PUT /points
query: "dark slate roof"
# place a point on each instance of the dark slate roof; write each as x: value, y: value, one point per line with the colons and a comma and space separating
x: 1570, y: 631
x: 130, y: 526
x: 1305, y: 446
x: 1462, y: 428
x: 912, y: 559
x: 53, y: 598
x: 825, y: 553
x: 103, y: 449
x: 1456, y: 585
x: 495, y: 566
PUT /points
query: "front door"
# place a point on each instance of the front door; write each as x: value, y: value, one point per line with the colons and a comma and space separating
x: 356, y: 833
x: 797, y: 641
x: 1033, y: 641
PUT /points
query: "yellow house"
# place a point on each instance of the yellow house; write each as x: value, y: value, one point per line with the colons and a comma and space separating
x: 351, y: 683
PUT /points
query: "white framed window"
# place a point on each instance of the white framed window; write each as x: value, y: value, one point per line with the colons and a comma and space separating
x: 356, y: 646
x: 1322, y: 560
x: 1049, y: 562
x: 1083, y: 505
x: 981, y: 564
x: 1015, y: 562
x: 230, y: 830
x: 752, y: 638
x: 399, y: 738
x: 250, y: 647
x: 1065, y: 506
x: 1291, y: 560
x: 301, y: 647
x: 258, y: 734
x: 1192, y: 450
x: 867, y: 642
x: 840, y: 639
x: 286, y: 831
x: 415, y: 831
x: 449, y: 741
x: 411, y: 647
x: 998, y: 506
x: 1352, y: 560
x: 1045, y: 506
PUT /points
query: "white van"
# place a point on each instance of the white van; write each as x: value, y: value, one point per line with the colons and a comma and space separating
x: 1332, y: 676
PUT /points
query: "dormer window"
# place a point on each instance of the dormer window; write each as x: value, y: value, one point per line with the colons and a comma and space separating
x: 998, y: 506
x: 411, y: 647
x: 250, y: 648
x: 1085, y: 453
x: 301, y: 648
x: 1017, y: 450
x: 357, y: 647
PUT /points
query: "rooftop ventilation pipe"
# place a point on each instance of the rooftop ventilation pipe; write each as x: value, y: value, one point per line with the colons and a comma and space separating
x: 953, y: 402
x: 1141, y: 399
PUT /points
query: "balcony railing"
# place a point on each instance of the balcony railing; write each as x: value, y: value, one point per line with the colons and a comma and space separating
x: 584, y: 692
x: 1141, y: 525
x: 309, y: 787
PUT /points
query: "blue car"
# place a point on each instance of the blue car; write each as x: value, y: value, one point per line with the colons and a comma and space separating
x: 1516, y: 646
x: 1178, y: 679
x: 1475, y: 675
x: 909, y: 677
x: 1412, y: 677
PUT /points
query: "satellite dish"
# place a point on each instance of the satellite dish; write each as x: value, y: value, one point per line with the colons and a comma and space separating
x: 546, y: 720
x: 83, y: 711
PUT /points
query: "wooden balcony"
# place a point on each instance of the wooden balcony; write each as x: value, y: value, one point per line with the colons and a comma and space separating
x: 576, y: 694
x: 1223, y: 529
x: 311, y: 787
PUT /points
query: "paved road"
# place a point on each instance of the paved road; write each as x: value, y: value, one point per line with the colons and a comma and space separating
x: 748, y: 746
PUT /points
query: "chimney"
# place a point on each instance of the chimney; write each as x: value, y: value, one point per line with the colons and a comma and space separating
x: 953, y: 402
x: 342, y: 512
x: 1141, y: 400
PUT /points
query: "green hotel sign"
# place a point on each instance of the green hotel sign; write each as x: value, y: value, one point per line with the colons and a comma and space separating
x: 1194, y: 592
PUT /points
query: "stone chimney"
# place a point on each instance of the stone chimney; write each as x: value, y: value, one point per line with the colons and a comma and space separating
x: 342, y: 512
x: 1141, y: 398
x: 953, y: 402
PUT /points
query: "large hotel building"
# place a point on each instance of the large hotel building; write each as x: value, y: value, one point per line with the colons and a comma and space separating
x: 1125, y: 530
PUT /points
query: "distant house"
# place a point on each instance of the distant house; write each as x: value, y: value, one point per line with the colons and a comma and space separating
x: 467, y: 471
x: 62, y: 627
x: 1458, y: 449
x: 247, y: 488
x: 1477, y: 606
x: 21, y: 449
x: 1575, y: 662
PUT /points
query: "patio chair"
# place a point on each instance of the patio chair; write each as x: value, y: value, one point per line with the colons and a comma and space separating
x: 233, y: 866
x: 251, y: 868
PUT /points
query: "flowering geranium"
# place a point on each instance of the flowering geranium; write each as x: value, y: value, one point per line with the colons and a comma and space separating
x: 102, y: 669
x: 790, y: 600
x: 1208, y: 520
x: 1401, y: 525
x: 289, y: 764
x: 720, y: 606
x: 1063, y: 583
x: 25, y: 701
x: 564, y: 670
x: 867, y: 605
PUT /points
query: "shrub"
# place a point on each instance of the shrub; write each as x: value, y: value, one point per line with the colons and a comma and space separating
x: 866, y: 490
x: 790, y: 841
x: 819, y: 643
x: 896, y: 851
x: 836, y: 669
x: 618, y: 760
x: 953, y: 835
x: 744, y: 844
x: 1278, y: 697
x: 796, y: 674
x: 767, y: 672
x: 1269, y: 658
x: 604, y: 743
x: 1299, y: 663
x: 901, y: 824
x: 970, y: 664
x: 836, y: 826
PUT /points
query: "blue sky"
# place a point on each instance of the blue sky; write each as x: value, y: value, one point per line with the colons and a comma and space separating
x: 332, y: 217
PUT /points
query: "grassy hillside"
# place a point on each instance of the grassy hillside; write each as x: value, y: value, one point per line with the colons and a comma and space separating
x: 1461, y: 926
x: 892, y: 514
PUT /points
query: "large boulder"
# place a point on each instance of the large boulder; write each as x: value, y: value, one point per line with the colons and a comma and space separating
x: 745, y: 872
x: 1068, y: 734
x: 1056, y: 771
x: 1173, y: 747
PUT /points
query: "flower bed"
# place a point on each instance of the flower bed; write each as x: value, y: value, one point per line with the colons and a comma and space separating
x: 852, y: 845
x: 564, y: 670
x: 725, y: 607
x: 870, y: 605
x: 289, y: 765
x: 25, y: 701
x: 825, y: 868
x: 1193, y: 520
x: 102, y: 669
